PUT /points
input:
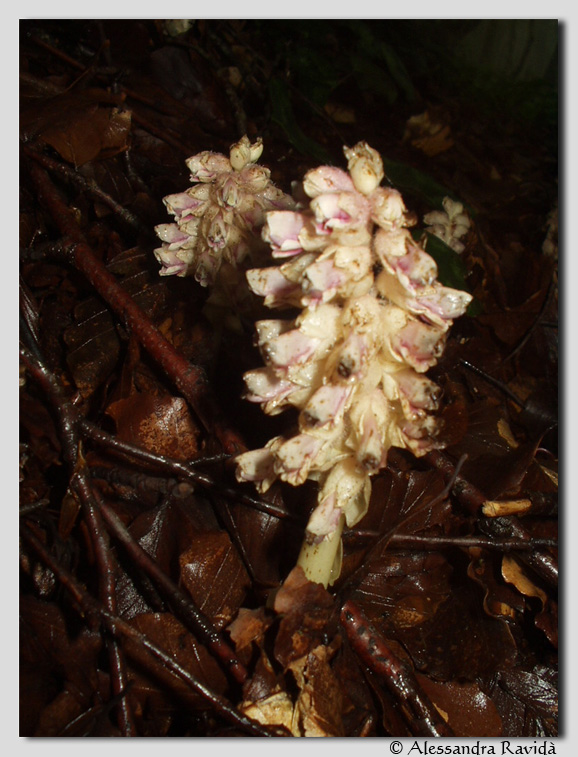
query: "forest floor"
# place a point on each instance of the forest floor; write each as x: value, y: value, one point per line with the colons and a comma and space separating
x: 150, y: 600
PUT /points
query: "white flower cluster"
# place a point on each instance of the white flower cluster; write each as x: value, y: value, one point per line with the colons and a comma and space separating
x: 449, y: 225
x: 219, y: 218
x: 374, y: 319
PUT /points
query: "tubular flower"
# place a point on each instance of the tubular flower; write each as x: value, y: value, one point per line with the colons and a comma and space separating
x: 374, y: 319
x: 218, y: 219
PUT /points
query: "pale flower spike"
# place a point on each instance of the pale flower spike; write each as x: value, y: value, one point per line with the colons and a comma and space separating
x: 374, y: 319
x: 218, y: 220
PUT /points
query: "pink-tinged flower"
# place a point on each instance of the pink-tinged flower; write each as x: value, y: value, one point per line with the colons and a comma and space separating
x: 352, y: 362
x: 371, y: 421
x: 347, y: 488
x: 399, y: 254
x: 322, y: 281
x: 322, y: 323
x: 391, y: 243
x: 223, y: 212
x: 255, y: 179
x: 207, y: 165
x: 325, y: 519
x: 418, y: 395
x: 416, y: 269
x: 216, y: 230
x: 446, y: 303
x: 342, y: 271
x: 266, y: 386
x: 174, y: 238
x: 288, y: 349
x: 190, y: 203
x: 228, y: 192
x: 172, y: 262
x: 275, y: 199
x: 419, y: 436
x: 342, y: 212
x: 325, y: 407
x: 258, y: 465
x: 351, y: 358
x: 281, y: 231
x: 327, y: 179
x: 295, y: 457
x: 435, y: 303
x: 365, y: 167
x: 419, y: 344
x: 271, y: 284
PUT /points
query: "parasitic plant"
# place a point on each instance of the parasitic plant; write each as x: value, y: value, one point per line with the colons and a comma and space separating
x: 374, y: 318
x: 218, y: 220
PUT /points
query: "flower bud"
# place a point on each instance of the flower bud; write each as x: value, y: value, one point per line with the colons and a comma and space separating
x: 365, y: 167
x: 243, y: 152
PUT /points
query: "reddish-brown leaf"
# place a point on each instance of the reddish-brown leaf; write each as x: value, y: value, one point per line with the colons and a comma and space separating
x: 213, y: 574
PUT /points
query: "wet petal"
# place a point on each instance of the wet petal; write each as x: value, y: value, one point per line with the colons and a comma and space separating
x: 420, y: 345
x: 387, y: 207
x: 206, y: 165
x: 271, y: 284
x: 365, y: 167
x: 281, y: 231
x: 323, y: 280
x: 296, y: 456
x: 265, y: 386
x: 326, y: 406
x: 259, y: 465
x: 184, y: 204
x: 326, y: 179
x: 347, y: 488
x: 172, y: 264
x: 290, y: 348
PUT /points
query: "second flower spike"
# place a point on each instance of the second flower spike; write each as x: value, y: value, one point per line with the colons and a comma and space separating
x: 218, y: 220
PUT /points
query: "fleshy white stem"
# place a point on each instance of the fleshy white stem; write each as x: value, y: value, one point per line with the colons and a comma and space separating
x: 321, y: 562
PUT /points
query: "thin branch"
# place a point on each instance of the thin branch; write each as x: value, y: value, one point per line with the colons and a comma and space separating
x: 182, y: 605
x: 119, y: 628
x: 89, y: 186
x: 107, y: 591
x: 422, y: 717
x: 182, y: 470
x: 421, y: 543
x: 70, y: 422
x: 191, y: 380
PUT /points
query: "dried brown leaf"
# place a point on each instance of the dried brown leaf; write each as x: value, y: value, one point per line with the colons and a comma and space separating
x: 468, y: 710
x: 214, y: 575
x: 408, y: 587
x: 163, y: 425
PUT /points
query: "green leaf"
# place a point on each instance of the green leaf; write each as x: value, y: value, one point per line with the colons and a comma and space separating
x: 414, y: 182
x: 283, y: 115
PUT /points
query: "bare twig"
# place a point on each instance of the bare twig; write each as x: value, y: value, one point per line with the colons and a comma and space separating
x: 119, y: 628
x: 421, y: 715
x: 190, y: 380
